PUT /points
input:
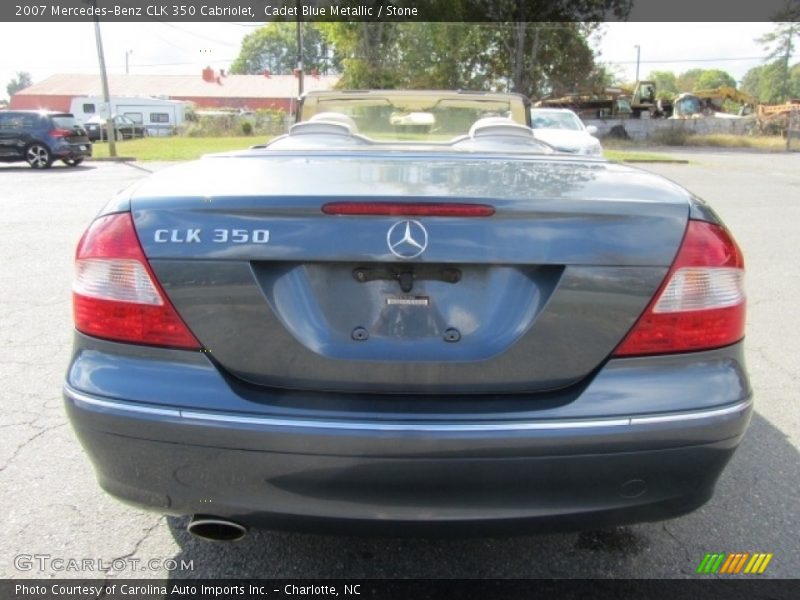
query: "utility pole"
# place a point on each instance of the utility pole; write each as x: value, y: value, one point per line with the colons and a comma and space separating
x: 299, y: 59
x: 638, y: 56
x: 127, y: 54
x: 112, y: 146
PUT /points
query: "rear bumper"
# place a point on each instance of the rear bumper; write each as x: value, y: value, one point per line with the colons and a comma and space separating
x: 278, y: 486
x: 67, y: 150
x: 283, y: 467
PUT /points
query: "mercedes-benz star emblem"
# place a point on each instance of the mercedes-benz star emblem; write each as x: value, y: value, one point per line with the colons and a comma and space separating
x: 407, y: 239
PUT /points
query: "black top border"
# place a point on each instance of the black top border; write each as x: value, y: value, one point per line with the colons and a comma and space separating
x: 259, y: 11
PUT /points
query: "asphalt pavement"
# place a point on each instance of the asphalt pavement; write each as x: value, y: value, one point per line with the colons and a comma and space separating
x: 54, y: 510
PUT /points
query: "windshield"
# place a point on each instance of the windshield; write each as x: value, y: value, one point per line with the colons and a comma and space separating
x: 555, y: 120
x: 424, y: 116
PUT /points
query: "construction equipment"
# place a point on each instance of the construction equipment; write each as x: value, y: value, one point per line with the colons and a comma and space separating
x: 710, y: 102
x: 613, y: 102
x: 780, y: 118
x: 771, y: 111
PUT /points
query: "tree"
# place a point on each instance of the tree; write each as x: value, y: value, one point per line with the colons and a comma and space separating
x: 368, y: 52
x: 780, y: 45
x: 533, y: 59
x: 22, y: 81
x: 703, y: 79
x: 545, y: 58
x: 766, y: 82
x: 713, y: 78
x: 442, y: 56
x: 534, y: 47
x: 541, y: 46
x: 666, y: 84
x: 273, y: 47
x: 687, y: 80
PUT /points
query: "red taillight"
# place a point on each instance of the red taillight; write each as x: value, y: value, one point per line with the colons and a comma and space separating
x: 408, y: 209
x: 115, y: 294
x: 701, y: 303
x: 61, y: 133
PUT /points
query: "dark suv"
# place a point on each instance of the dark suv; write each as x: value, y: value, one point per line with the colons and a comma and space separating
x: 42, y: 137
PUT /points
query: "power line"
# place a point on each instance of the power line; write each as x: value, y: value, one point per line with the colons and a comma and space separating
x: 179, y: 64
x: 199, y: 35
x: 181, y: 49
x: 684, y: 60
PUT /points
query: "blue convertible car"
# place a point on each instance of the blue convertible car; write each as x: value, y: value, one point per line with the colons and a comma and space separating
x: 405, y: 314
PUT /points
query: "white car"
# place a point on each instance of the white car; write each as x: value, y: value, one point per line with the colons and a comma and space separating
x: 563, y: 129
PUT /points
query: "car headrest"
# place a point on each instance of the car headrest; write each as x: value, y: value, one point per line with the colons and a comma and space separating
x: 336, y: 117
x: 499, y: 126
x: 320, y: 128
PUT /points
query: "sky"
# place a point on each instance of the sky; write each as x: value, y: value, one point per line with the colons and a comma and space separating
x: 679, y: 47
x: 185, y: 48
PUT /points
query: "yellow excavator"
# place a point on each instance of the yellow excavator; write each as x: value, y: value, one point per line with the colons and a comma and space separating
x: 706, y: 103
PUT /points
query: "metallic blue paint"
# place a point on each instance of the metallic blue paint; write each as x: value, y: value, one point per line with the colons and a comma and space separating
x: 287, y: 418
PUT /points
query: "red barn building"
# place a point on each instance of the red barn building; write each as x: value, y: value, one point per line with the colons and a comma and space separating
x: 211, y: 89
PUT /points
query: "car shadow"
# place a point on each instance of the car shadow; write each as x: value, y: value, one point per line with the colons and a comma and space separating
x: 753, y: 510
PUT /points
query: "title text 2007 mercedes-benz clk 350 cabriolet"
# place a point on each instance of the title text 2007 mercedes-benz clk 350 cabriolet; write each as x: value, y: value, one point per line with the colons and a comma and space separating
x: 408, y: 313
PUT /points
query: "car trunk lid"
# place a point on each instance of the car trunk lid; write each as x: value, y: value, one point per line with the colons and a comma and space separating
x: 533, y: 297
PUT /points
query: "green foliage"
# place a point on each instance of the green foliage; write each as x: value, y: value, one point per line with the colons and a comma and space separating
x: 531, y: 58
x: 666, y: 84
x: 442, y: 56
x: 766, y: 82
x: 687, y: 80
x: 22, y: 80
x: 780, y: 43
x: 547, y: 58
x: 713, y: 78
x: 368, y: 51
x: 274, y: 47
x: 536, y: 47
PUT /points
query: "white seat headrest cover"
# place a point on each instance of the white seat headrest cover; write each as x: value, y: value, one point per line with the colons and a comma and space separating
x: 336, y: 117
x: 499, y: 126
x: 320, y: 128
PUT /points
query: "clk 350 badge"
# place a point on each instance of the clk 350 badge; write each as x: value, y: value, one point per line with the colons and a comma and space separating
x: 218, y: 236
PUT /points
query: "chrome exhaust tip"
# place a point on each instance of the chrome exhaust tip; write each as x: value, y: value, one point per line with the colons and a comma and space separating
x: 216, y: 529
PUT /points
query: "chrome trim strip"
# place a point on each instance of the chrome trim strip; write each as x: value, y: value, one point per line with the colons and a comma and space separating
x: 81, y: 398
x: 423, y: 427
x: 690, y: 416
